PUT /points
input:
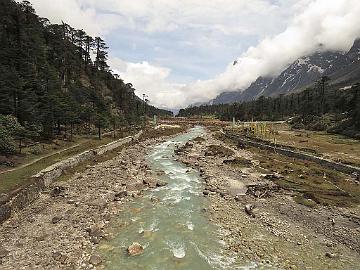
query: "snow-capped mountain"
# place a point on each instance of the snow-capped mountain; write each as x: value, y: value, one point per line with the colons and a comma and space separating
x: 339, y: 66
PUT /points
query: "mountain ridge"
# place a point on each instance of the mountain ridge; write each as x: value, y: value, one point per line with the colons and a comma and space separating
x: 341, y: 67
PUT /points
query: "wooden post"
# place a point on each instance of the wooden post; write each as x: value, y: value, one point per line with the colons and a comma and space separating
x: 155, y: 120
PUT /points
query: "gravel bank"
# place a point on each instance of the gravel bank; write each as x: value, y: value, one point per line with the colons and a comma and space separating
x: 62, y: 228
x: 262, y: 223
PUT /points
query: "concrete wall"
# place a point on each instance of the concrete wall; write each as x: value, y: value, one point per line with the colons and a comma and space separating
x: 26, y: 195
x: 295, y: 154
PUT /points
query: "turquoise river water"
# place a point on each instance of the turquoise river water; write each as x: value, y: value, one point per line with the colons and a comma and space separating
x: 175, y: 231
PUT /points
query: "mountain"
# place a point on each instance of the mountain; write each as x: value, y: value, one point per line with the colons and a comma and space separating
x: 341, y: 67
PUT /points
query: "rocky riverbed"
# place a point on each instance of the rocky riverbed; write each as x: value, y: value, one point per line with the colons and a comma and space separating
x: 261, y: 222
x: 258, y: 221
x: 62, y: 229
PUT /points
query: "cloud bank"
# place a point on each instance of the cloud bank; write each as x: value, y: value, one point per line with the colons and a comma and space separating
x: 333, y: 24
x: 281, y: 30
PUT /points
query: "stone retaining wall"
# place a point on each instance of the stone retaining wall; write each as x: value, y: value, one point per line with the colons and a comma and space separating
x: 299, y: 155
x: 26, y: 195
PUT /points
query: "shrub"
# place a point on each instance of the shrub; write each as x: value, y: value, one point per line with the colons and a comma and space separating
x: 36, y: 150
x: 10, y: 129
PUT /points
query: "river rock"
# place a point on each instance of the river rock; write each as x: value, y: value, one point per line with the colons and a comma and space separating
x: 150, y: 183
x: 120, y: 195
x: 55, y: 220
x: 95, y: 240
x: 95, y: 260
x: 58, y: 256
x: 154, y: 199
x: 56, y: 191
x: 135, y: 249
x: 3, y: 252
x: 330, y: 255
x: 273, y: 176
x: 95, y: 231
x: 249, y: 210
x: 161, y: 183
x: 4, y: 198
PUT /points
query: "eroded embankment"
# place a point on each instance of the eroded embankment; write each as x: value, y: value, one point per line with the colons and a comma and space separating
x: 22, y: 197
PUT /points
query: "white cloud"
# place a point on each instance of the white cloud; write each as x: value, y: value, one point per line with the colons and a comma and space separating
x: 226, y: 16
x: 79, y: 16
x: 288, y: 29
x: 335, y: 24
x: 150, y: 80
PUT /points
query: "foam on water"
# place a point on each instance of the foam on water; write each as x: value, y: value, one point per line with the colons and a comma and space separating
x: 189, y: 225
x: 177, y: 248
x: 175, y: 232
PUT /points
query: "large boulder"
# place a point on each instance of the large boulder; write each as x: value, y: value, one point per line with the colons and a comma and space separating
x: 95, y: 260
x: 135, y: 249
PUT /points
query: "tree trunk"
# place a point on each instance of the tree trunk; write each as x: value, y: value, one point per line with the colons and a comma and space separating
x: 71, y: 131
x: 99, y: 132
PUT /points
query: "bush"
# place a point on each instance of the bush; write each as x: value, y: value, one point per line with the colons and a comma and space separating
x: 322, y: 123
x: 7, y: 142
x: 9, y: 130
x: 36, y: 150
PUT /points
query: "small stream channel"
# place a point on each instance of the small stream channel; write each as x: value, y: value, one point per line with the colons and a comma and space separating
x: 175, y: 231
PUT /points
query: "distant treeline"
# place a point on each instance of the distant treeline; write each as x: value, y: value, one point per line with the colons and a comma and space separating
x: 321, y: 107
x: 54, y: 77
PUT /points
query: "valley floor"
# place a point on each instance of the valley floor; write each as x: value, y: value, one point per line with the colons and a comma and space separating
x: 259, y: 222
x: 263, y: 223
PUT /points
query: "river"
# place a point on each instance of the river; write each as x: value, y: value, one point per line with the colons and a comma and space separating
x: 175, y: 231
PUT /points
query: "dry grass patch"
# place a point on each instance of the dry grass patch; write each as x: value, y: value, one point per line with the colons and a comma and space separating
x: 219, y: 150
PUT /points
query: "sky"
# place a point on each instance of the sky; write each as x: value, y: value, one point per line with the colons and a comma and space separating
x: 182, y: 52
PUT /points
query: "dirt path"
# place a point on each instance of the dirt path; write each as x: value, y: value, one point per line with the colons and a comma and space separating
x: 39, y: 159
x: 48, y: 155
x: 274, y: 231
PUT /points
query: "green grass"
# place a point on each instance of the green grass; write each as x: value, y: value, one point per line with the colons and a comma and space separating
x: 310, y: 180
x: 12, y: 180
x: 304, y: 201
x: 336, y: 147
x: 322, y: 185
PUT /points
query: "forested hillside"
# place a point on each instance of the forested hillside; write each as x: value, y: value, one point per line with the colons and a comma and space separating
x: 322, y: 107
x: 55, y: 79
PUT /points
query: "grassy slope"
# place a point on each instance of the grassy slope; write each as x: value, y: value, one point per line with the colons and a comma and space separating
x: 14, y: 179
